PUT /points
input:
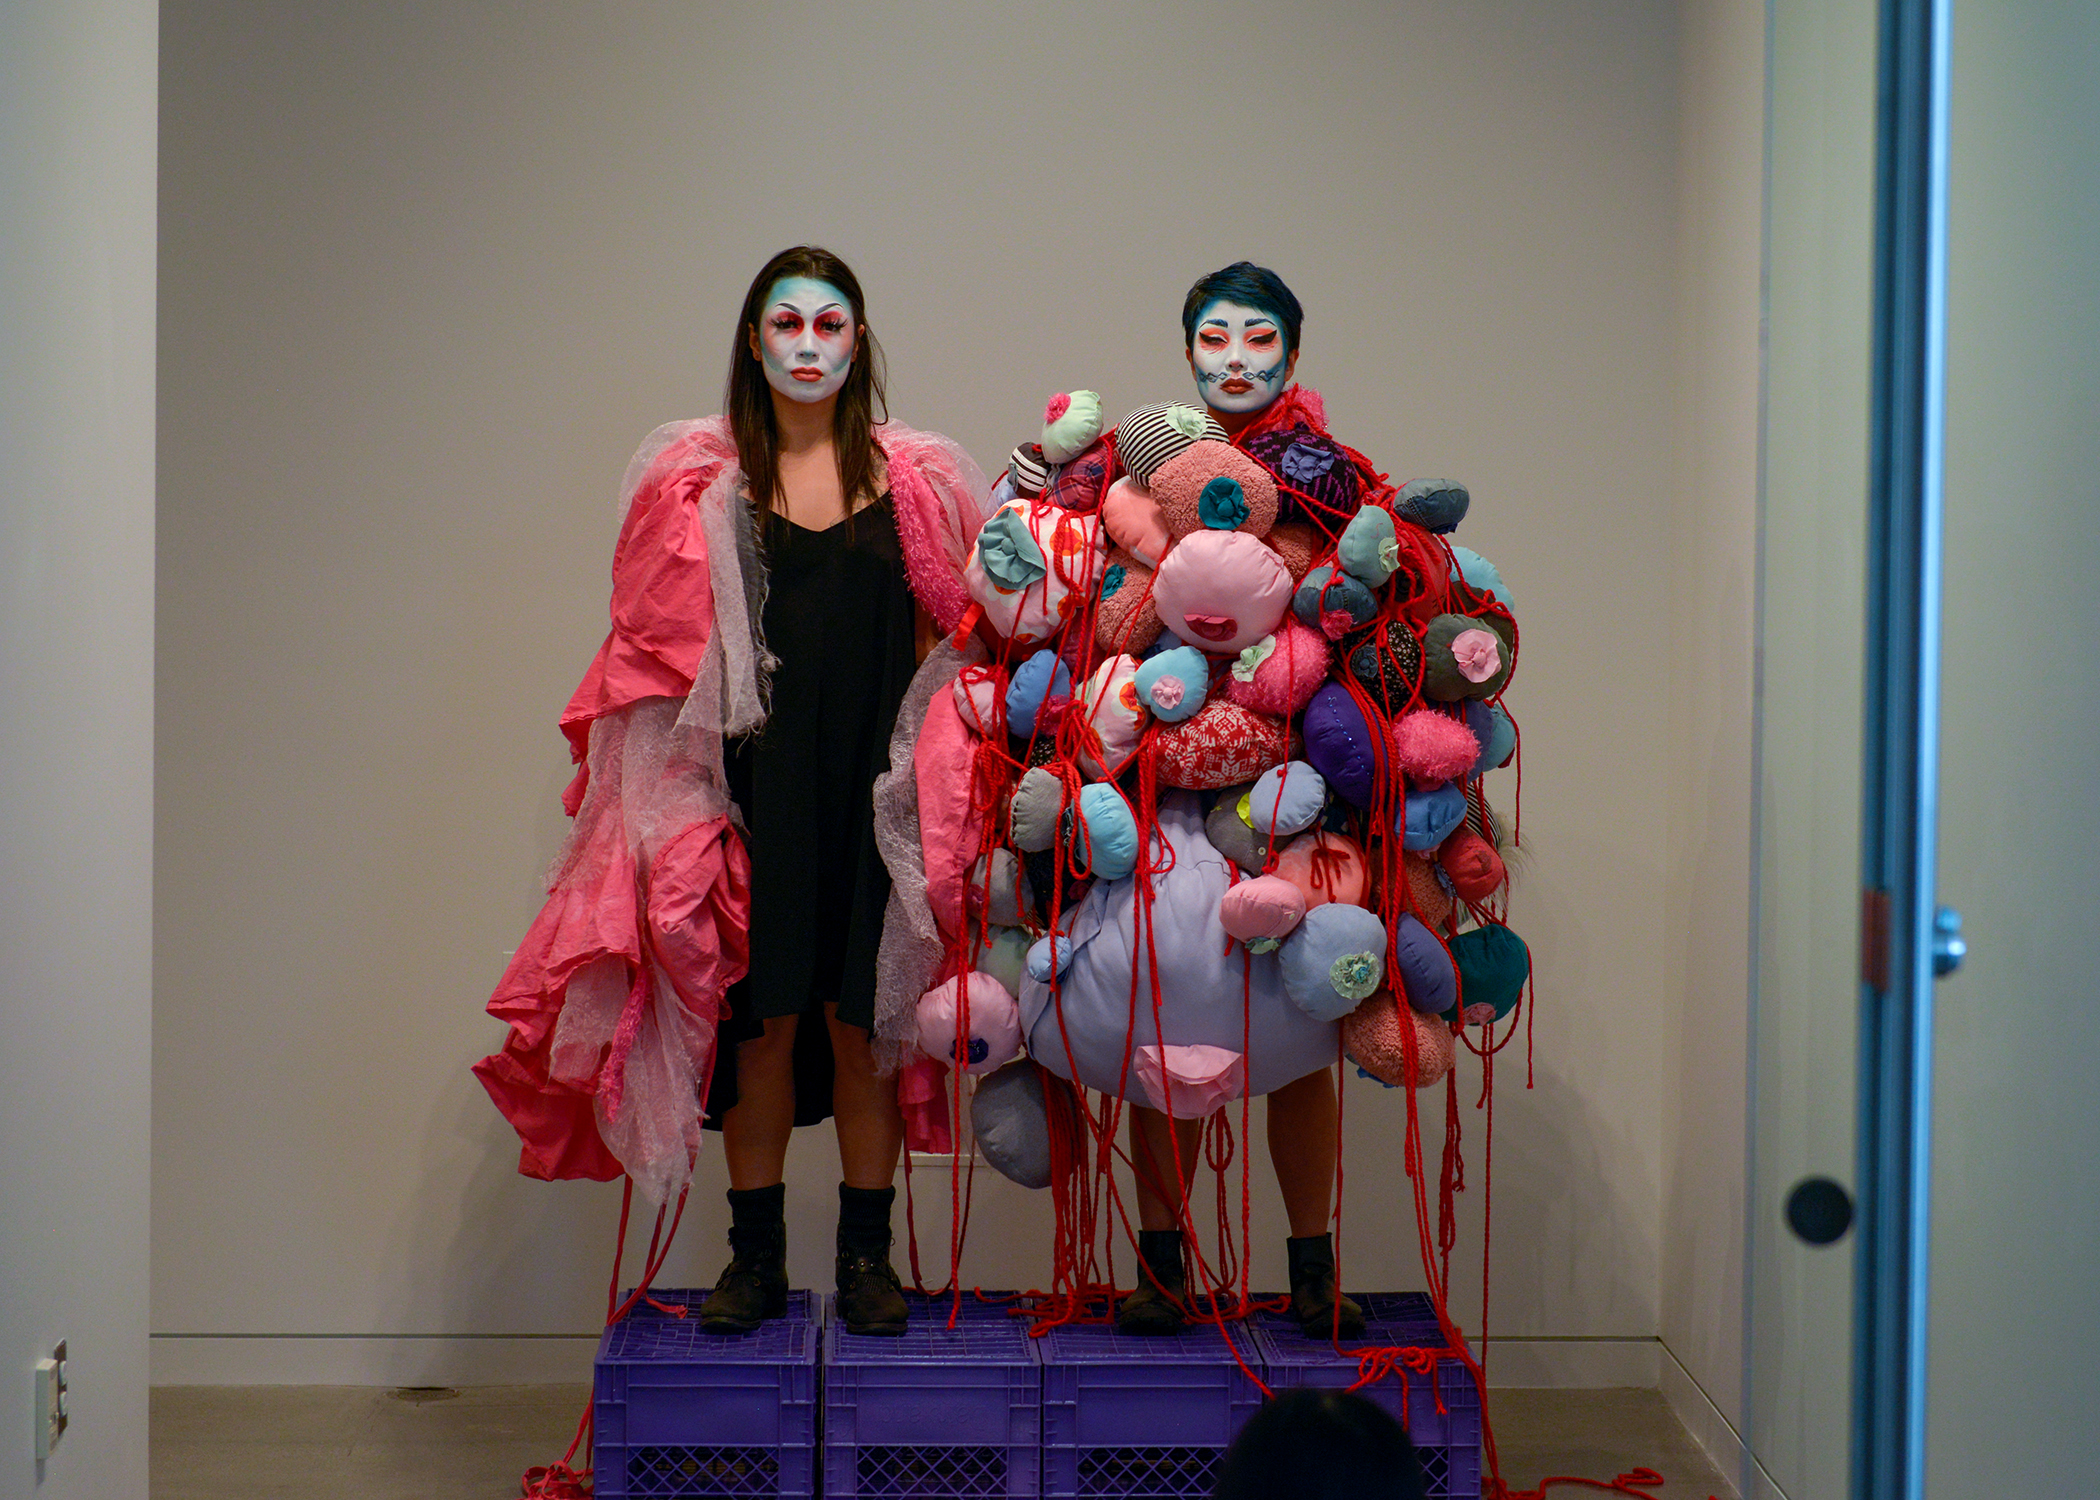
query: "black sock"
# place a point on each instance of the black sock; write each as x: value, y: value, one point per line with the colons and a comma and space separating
x: 864, y: 1221
x: 757, y: 1218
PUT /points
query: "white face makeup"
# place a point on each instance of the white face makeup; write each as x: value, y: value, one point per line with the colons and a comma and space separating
x: 1239, y: 356
x: 806, y: 338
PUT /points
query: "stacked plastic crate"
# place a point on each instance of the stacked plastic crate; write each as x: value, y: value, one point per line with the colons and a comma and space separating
x: 1128, y: 1415
x: 1441, y: 1410
x: 682, y: 1413
x: 938, y: 1412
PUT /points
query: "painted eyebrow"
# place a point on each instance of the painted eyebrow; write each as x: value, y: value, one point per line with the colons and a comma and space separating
x: 791, y: 307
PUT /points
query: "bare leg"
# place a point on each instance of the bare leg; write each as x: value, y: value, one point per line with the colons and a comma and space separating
x: 1302, y: 1134
x: 755, y: 1133
x: 864, y: 1107
x: 1154, y: 1148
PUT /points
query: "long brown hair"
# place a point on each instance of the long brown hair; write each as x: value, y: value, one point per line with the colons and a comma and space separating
x: 750, y: 400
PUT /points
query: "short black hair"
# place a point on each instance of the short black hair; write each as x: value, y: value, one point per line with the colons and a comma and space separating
x: 1313, y: 1444
x: 1251, y: 286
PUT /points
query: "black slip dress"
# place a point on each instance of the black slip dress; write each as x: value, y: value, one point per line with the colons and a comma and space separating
x: 839, y: 617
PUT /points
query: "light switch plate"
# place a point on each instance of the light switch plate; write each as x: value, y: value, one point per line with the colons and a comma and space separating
x: 51, y: 1414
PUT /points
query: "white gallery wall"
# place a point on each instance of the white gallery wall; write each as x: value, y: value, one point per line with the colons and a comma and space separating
x: 76, y: 733
x: 429, y: 273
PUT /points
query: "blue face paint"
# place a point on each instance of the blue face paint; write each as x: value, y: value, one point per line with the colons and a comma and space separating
x: 806, y: 338
x: 1239, y: 356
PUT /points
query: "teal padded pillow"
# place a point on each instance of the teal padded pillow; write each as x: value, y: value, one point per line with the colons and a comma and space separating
x: 1173, y: 683
x: 1369, y: 547
x: 1493, y: 964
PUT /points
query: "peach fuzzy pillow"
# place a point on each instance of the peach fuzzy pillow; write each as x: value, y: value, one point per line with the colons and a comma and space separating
x: 1192, y: 498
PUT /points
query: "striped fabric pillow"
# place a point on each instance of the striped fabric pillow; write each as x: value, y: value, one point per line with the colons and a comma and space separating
x: 1151, y: 435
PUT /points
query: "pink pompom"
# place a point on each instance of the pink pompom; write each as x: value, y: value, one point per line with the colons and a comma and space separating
x: 1431, y: 746
x: 1285, y: 680
x: 1336, y: 623
x: 1059, y: 405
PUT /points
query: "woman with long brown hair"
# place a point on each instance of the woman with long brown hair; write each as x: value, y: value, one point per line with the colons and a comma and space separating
x: 777, y: 572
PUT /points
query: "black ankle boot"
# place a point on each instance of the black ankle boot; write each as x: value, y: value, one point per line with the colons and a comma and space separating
x: 1162, y: 1288
x: 1314, y: 1295
x: 871, y: 1299
x: 754, y: 1286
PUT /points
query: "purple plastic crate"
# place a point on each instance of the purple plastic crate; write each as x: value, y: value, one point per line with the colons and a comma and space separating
x: 1151, y: 1417
x: 936, y: 1412
x: 682, y: 1412
x: 1447, y: 1441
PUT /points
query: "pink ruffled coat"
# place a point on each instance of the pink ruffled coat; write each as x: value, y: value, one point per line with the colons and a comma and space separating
x: 615, y: 994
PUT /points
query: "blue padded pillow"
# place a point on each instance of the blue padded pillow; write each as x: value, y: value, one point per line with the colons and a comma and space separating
x: 1043, y: 675
x: 1497, y: 735
x: 1479, y: 573
x: 1286, y: 799
x: 1325, y: 591
x: 1106, y: 842
x: 1172, y: 684
x: 1422, y: 967
x: 1435, y: 505
x: 1338, y: 743
x: 1011, y: 1123
x: 1369, y: 547
x: 1430, y: 816
x: 1334, y: 960
x: 1038, y: 960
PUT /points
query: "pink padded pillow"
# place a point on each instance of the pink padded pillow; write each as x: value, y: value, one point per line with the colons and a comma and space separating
x: 1372, y: 1037
x: 1325, y: 867
x: 1222, y: 745
x: 1179, y: 485
x: 1133, y: 519
x: 1190, y: 1082
x: 1475, y: 868
x: 1282, y: 678
x: 1267, y: 906
x: 1221, y: 590
x: 994, y: 1037
x: 1114, y: 713
x: 1126, y: 619
x: 1431, y: 746
x: 1432, y: 903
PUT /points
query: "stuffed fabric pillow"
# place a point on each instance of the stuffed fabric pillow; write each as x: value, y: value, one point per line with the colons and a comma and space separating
x: 998, y: 891
x: 1472, y: 865
x: 1334, y: 960
x: 1054, y: 551
x: 1151, y: 435
x: 993, y: 1035
x: 1279, y: 673
x: 1339, y: 743
x: 1286, y: 799
x: 1427, y: 893
x: 1027, y: 471
x: 1465, y: 656
x: 1296, y: 543
x: 1222, y: 744
x: 1071, y: 425
x: 1035, y: 681
x: 1422, y: 969
x: 1003, y: 953
x: 1331, y: 602
x: 1221, y: 590
x: 1375, y: 1037
x: 1134, y: 520
x: 1430, y: 746
x: 1480, y: 575
x: 1430, y: 815
x: 1493, y: 963
x: 1315, y: 482
x: 1010, y: 1121
x: 1078, y: 485
x: 1369, y: 547
x: 1105, y: 838
x: 1389, y: 665
x: 1190, y: 1081
x: 1212, y: 486
x: 1496, y: 733
x: 1261, y: 910
x: 1174, y: 683
x: 1033, y: 813
x: 1126, y: 619
x: 1435, y: 505
x: 1115, y: 715
x: 1327, y: 868
x: 1230, y: 834
x: 980, y: 697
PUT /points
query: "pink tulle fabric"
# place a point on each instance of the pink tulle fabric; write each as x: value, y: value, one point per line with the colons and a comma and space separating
x: 615, y: 995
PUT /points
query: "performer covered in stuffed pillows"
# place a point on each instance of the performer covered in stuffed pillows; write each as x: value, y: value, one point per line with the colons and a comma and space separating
x: 1240, y: 331
x: 764, y: 588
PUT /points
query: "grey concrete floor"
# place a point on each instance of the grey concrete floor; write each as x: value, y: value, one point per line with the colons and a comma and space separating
x: 362, y: 1443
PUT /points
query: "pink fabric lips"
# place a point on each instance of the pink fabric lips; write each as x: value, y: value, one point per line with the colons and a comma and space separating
x: 1212, y: 627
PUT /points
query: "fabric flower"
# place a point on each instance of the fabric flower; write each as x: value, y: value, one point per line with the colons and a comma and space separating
x: 1305, y: 462
x: 1113, y: 579
x: 1185, y: 420
x: 1251, y: 659
x: 1223, y: 504
x: 1478, y: 654
x: 1167, y: 692
x: 1355, y: 976
x: 1008, y: 553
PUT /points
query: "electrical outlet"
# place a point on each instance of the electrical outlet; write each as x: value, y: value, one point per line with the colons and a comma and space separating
x: 51, y: 1392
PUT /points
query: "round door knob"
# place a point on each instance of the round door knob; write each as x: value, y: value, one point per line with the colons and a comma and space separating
x: 1949, y: 948
x: 1819, y: 1211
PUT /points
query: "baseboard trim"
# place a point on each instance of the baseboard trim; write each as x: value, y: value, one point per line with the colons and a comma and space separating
x: 1713, y: 1432
x: 388, y: 1360
x: 1572, y: 1363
